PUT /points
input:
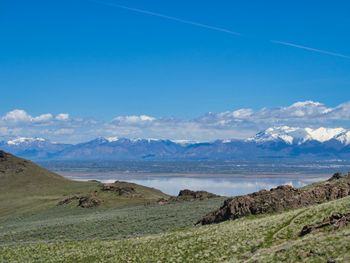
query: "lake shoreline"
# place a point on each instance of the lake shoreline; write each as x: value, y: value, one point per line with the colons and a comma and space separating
x: 221, y: 184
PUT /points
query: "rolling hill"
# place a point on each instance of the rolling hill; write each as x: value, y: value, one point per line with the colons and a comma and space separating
x: 26, y: 187
x: 42, y: 221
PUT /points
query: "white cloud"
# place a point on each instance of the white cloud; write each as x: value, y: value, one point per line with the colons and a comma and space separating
x: 295, y: 115
x: 341, y: 112
x: 238, y: 123
x: 64, y: 131
x: 17, y: 116
x: 62, y: 117
x: 305, y: 109
x: 134, y: 119
x: 22, y: 116
x: 242, y: 113
x: 43, y: 118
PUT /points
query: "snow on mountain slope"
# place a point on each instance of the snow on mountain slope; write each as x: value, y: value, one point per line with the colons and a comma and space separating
x: 344, y: 137
x: 324, y: 134
x: 31, y: 148
x: 112, y: 139
x: 294, y: 135
x: 334, y: 143
x: 23, y: 140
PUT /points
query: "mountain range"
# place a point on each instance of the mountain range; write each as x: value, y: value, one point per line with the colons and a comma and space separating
x: 273, y: 143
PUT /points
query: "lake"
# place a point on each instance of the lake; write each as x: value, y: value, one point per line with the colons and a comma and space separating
x: 222, y: 184
x: 227, y: 178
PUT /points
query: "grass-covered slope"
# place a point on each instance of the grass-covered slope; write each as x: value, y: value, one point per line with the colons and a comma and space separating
x: 269, y: 238
x: 33, y: 228
x: 26, y: 188
x: 69, y: 223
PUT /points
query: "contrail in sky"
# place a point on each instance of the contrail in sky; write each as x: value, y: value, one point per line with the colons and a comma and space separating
x: 219, y: 29
x: 310, y: 49
x: 184, y: 21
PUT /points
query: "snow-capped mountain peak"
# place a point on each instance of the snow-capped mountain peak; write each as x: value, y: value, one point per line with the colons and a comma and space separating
x: 324, y: 134
x: 304, y: 143
x: 295, y: 135
x: 184, y: 142
x: 149, y: 140
x: 344, y: 137
x: 112, y: 139
x: 282, y: 133
x: 24, y: 140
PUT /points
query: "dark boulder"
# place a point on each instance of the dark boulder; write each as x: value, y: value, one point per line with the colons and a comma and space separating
x: 335, y: 176
x: 337, y: 220
x: 83, y: 201
x: 88, y: 202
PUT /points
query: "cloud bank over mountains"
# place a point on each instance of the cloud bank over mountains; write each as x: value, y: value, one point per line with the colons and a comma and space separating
x: 239, y: 123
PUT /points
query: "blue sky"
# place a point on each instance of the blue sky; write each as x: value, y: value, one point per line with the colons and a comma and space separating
x: 95, y: 60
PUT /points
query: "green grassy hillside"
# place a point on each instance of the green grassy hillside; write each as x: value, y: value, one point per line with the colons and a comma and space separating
x: 26, y: 188
x: 269, y: 238
x: 33, y: 228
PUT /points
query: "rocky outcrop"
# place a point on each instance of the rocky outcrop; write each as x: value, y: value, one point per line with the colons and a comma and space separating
x: 279, y: 199
x: 122, y: 190
x: 335, y: 176
x: 336, y: 219
x: 187, y: 195
x: 68, y: 200
x: 88, y: 202
x: 83, y: 201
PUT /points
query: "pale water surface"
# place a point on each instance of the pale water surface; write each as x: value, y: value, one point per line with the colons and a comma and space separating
x: 227, y: 185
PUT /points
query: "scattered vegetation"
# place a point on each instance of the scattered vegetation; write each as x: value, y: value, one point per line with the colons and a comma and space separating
x: 269, y: 238
x: 74, y: 223
x: 26, y: 188
x: 130, y: 226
